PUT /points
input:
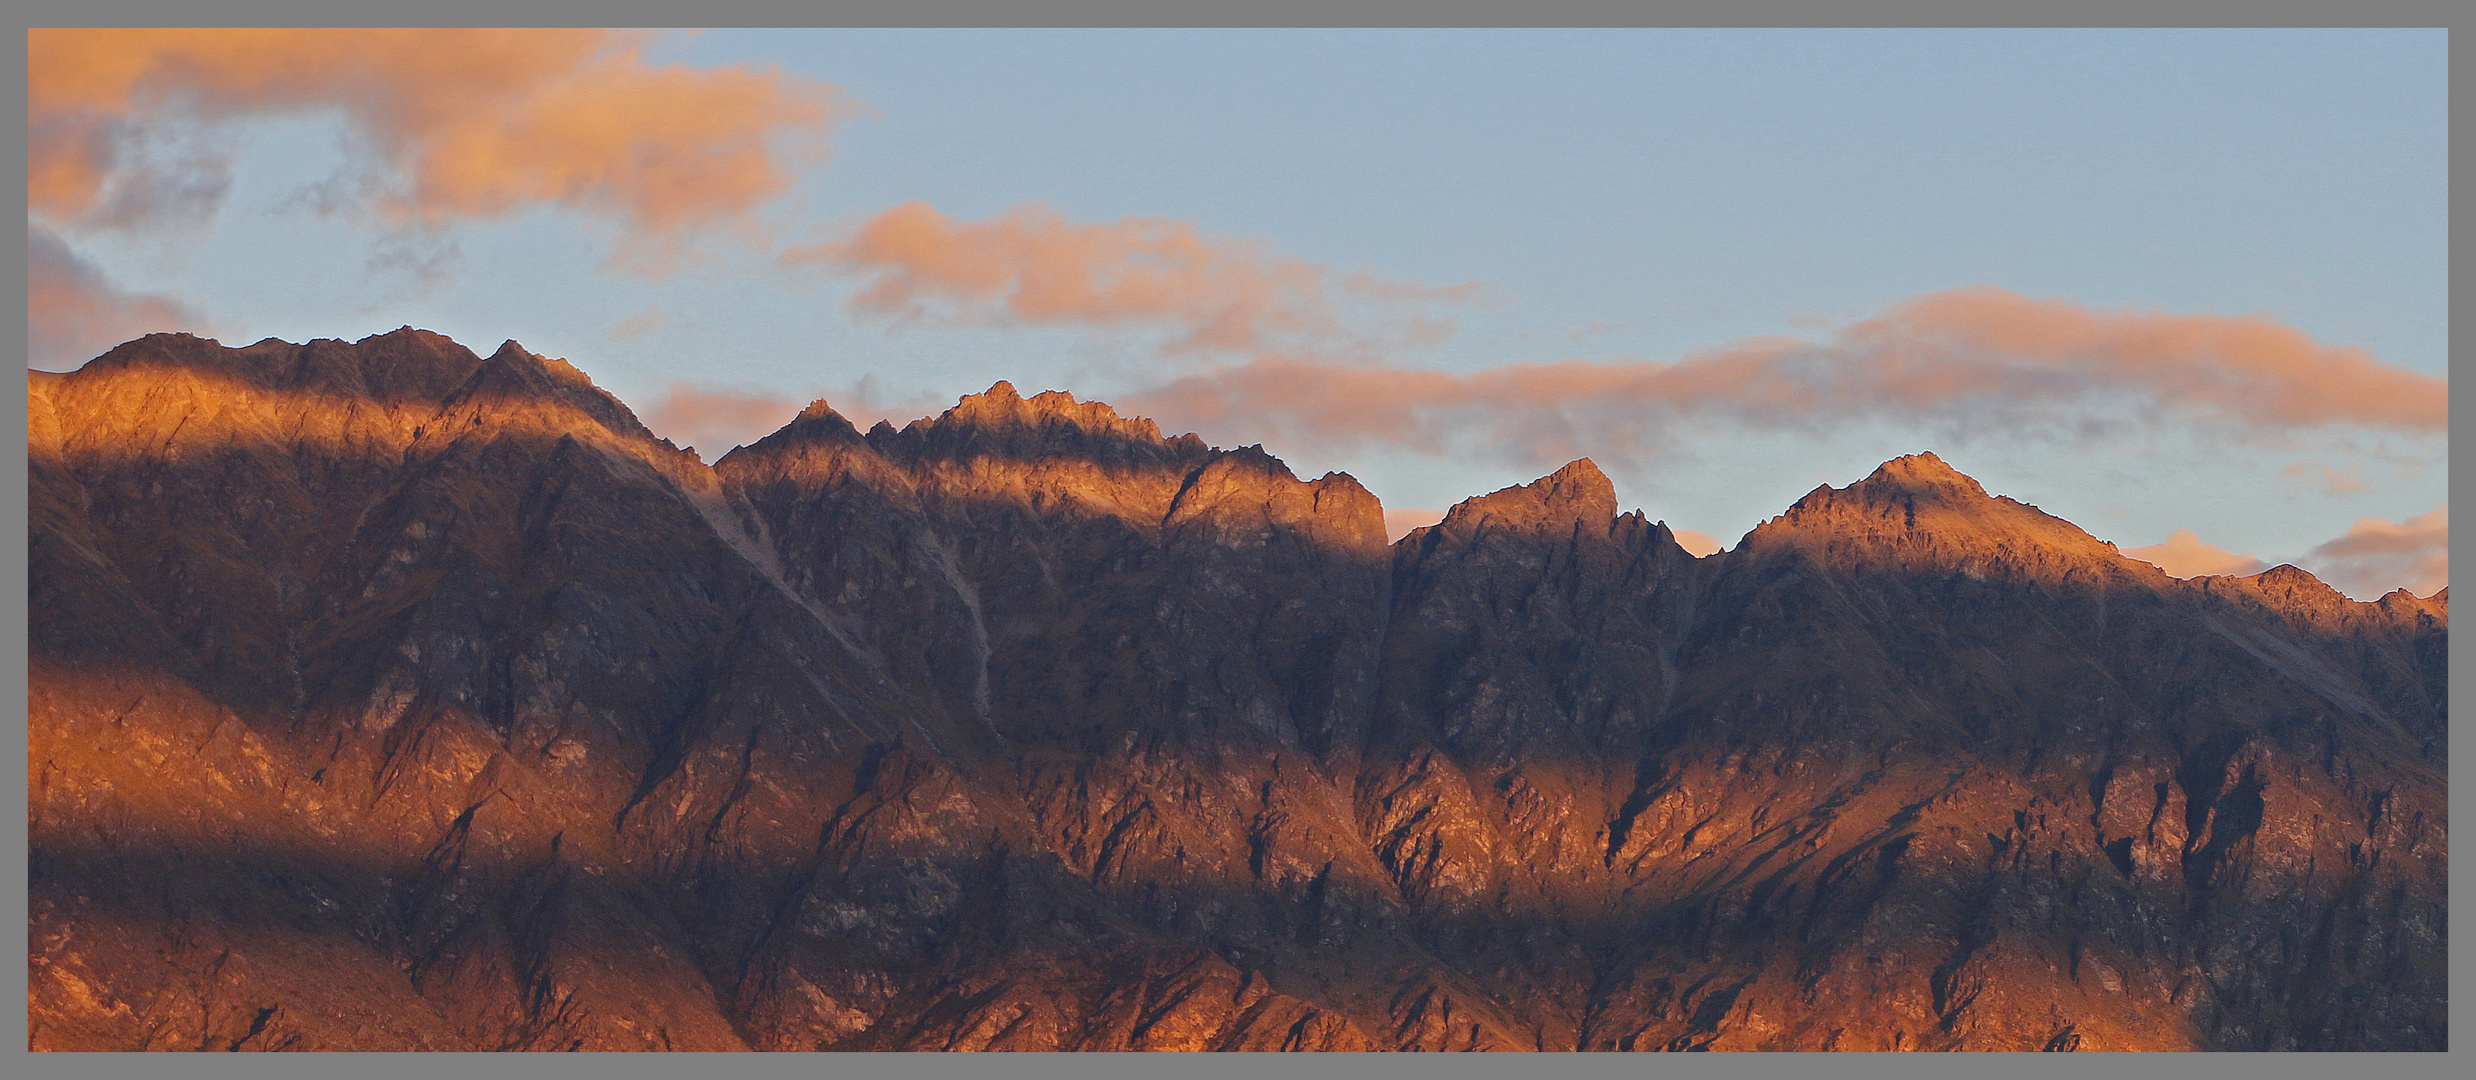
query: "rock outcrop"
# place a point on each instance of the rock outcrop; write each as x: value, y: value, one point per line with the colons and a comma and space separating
x: 388, y: 697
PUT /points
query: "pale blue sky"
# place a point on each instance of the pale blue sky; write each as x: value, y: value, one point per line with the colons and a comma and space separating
x: 1621, y: 195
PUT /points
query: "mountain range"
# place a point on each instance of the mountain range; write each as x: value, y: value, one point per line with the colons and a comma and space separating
x: 386, y: 696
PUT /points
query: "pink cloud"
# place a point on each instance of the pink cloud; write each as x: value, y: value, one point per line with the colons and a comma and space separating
x: 714, y: 421
x: 455, y: 123
x: 1031, y: 266
x: 1968, y: 360
x: 1696, y: 544
x: 2325, y: 479
x: 2376, y: 556
x: 2185, y: 556
x: 1399, y: 523
x: 74, y: 314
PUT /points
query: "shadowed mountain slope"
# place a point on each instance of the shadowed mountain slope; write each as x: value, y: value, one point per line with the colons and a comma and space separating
x: 387, y: 696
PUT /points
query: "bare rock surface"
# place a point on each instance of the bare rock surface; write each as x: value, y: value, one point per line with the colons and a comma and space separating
x: 389, y: 697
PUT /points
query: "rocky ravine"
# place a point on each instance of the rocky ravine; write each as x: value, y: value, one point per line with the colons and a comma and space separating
x: 391, y: 697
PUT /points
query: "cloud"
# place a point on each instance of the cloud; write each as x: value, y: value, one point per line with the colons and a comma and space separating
x: 1399, y: 523
x: 1362, y: 283
x: 2377, y: 556
x: 1030, y: 266
x: 452, y: 123
x: 1966, y: 361
x: 640, y: 324
x: 1696, y: 544
x: 1992, y: 342
x: 74, y: 314
x: 714, y: 421
x: 2185, y: 556
x: 2325, y: 479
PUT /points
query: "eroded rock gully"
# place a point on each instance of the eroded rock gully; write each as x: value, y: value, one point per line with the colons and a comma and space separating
x: 387, y: 696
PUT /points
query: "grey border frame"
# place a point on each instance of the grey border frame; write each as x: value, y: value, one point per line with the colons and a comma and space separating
x: 1101, y: 13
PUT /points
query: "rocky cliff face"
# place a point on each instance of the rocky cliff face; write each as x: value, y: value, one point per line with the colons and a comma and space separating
x: 391, y: 697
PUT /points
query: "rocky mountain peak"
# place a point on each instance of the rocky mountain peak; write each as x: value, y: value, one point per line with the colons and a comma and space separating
x: 1001, y: 407
x: 404, y: 365
x: 2297, y: 591
x: 1050, y: 426
x: 1576, y: 494
x: 816, y: 422
x: 1918, y: 513
x: 516, y: 378
x: 1579, y: 483
x: 1249, y: 491
x: 2290, y: 576
x: 171, y: 349
x: 1919, y: 473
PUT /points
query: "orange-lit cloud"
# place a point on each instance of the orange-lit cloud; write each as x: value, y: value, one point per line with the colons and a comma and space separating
x: 1362, y: 283
x: 2377, y: 556
x: 1967, y: 360
x: 1696, y: 544
x: 1994, y: 342
x: 2325, y: 479
x: 714, y: 421
x: 455, y: 123
x: 2185, y: 556
x: 1032, y: 266
x: 1399, y: 523
x: 73, y: 314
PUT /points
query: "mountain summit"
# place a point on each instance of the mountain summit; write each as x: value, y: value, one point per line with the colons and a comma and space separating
x: 1917, y: 514
x: 1921, y: 472
x: 386, y: 696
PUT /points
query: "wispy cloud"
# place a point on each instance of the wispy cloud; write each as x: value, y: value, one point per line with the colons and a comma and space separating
x: 73, y: 313
x: 2326, y: 479
x: 644, y: 322
x: 452, y: 124
x: 2377, y: 556
x: 1966, y: 361
x: 1400, y: 523
x: 1697, y: 544
x: 1031, y: 266
x: 714, y: 421
x: 2184, y: 555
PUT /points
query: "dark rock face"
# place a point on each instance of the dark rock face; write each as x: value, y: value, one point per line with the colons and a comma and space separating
x: 391, y: 697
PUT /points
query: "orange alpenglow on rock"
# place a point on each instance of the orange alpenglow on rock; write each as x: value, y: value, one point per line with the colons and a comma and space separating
x: 387, y: 696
